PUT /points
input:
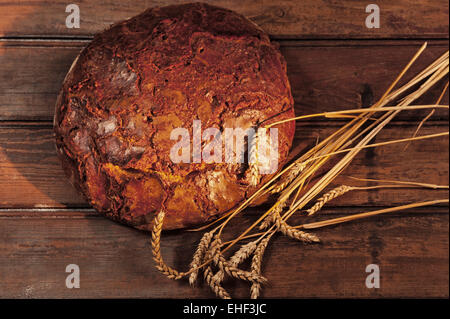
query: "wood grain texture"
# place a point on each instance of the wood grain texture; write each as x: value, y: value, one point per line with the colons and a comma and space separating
x: 31, y: 175
x: 282, y: 19
x: 325, y: 76
x: 334, y: 62
x: 411, y: 250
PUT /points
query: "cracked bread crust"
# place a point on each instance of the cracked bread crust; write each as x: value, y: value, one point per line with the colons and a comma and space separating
x: 143, y: 77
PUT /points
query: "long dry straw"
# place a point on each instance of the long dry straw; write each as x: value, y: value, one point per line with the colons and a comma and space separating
x: 392, y: 184
x: 428, y: 116
x: 440, y: 70
x: 348, y: 140
x: 330, y: 175
x: 341, y: 220
x: 299, y: 166
x: 355, y: 111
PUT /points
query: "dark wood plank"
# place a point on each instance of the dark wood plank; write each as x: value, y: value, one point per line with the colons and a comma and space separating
x: 324, y: 75
x: 411, y: 250
x: 45, y: 225
x: 37, y: 182
x: 32, y: 94
x: 31, y: 176
x: 281, y: 19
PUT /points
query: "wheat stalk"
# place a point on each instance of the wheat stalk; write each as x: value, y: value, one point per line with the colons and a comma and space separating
x: 264, y: 188
x: 344, y: 219
x: 349, y: 140
x: 428, y: 116
x: 337, y: 169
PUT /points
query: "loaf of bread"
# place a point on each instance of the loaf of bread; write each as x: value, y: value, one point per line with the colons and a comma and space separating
x: 142, y: 78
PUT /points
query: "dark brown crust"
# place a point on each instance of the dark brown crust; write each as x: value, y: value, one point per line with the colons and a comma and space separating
x: 143, y: 77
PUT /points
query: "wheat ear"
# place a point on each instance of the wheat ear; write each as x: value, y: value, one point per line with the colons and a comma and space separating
x: 256, y: 266
x: 253, y: 161
x: 232, y: 271
x: 293, y: 172
x: 198, y: 257
x: 243, y: 253
x: 238, y: 257
x: 225, y: 266
x: 271, y: 217
x: 208, y: 273
x: 156, y: 249
x: 215, y: 286
x: 336, y: 192
x: 294, y: 233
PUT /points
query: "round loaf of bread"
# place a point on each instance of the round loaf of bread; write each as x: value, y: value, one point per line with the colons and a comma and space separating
x: 141, y: 79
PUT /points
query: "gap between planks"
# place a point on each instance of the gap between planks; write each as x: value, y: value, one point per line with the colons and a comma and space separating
x: 332, y: 42
x: 81, y: 213
x: 46, y: 124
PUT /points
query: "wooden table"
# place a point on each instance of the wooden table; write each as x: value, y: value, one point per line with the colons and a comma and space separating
x: 334, y: 62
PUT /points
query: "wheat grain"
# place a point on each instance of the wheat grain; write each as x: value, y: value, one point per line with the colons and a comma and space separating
x: 336, y: 192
